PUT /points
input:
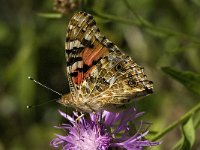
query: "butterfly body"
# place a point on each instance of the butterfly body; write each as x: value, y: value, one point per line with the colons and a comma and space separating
x: 101, y: 77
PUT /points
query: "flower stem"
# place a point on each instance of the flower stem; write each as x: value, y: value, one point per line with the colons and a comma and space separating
x: 176, y: 123
x: 116, y: 18
x: 141, y: 22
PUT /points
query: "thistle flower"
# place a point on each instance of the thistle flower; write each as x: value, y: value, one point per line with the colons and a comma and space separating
x: 66, y: 6
x: 102, y: 131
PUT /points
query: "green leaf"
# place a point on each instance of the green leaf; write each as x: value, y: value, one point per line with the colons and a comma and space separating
x: 189, y: 132
x: 196, y: 120
x: 189, y: 79
x: 188, y: 136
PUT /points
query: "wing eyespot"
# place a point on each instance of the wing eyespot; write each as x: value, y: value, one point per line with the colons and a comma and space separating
x: 119, y: 68
x: 132, y: 83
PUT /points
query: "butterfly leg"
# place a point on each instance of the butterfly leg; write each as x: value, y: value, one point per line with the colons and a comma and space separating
x: 79, y: 117
x: 101, y: 119
x: 98, y: 120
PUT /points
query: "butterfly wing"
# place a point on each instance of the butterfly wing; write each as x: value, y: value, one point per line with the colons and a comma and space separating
x: 82, y: 49
x: 124, y: 80
x: 97, y: 70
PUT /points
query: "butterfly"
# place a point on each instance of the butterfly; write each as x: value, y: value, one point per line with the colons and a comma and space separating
x: 100, y: 75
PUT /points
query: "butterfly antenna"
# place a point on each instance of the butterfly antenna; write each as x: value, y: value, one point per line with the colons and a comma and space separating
x: 44, y: 86
x: 32, y: 106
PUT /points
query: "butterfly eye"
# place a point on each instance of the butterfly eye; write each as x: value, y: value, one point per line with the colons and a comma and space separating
x: 132, y: 82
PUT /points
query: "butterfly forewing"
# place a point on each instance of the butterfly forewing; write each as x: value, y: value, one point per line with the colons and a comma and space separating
x: 99, y: 74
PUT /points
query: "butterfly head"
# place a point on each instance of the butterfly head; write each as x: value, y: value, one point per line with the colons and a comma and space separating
x: 65, y: 100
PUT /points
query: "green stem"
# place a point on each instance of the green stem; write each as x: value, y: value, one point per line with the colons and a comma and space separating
x: 176, y: 123
x: 140, y: 19
x: 115, y: 18
x: 141, y: 22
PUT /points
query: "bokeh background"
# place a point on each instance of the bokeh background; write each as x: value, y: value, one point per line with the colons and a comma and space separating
x: 154, y: 33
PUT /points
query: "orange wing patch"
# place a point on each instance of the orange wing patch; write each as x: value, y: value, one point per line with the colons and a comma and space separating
x: 90, y: 56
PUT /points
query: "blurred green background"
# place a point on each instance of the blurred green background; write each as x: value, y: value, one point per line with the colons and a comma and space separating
x: 32, y: 44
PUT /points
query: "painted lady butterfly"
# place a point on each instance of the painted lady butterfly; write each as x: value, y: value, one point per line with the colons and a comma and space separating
x: 101, y: 77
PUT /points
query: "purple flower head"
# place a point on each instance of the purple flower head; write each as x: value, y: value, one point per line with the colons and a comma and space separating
x: 83, y: 135
x: 101, y: 131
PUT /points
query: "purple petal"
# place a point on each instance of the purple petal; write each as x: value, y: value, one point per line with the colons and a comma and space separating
x: 67, y: 116
x: 109, y: 118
